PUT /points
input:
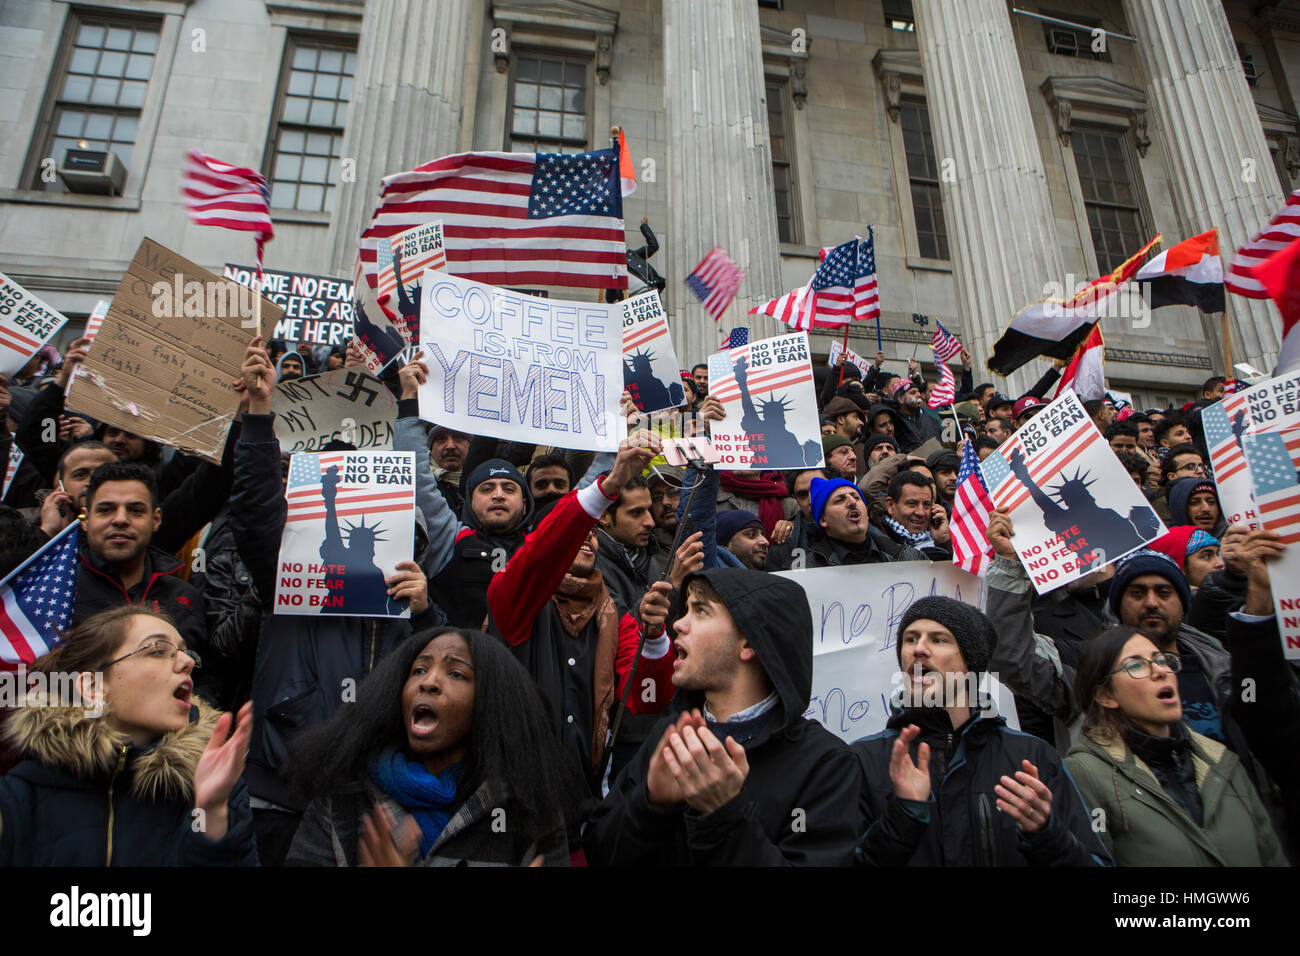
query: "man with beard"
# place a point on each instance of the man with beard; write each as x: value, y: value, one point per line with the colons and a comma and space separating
x: 665, y: 494
x: 741, y: 534
x: 841, y: 460
x: 447, y: 451
x: 791, y: 539
x: 998, y: 429
x: 549, y: 478
x: 918, y: 423
x: 878, y: 447
x: 838, y: 509
x: 846, y: 415
x: 912, y: 519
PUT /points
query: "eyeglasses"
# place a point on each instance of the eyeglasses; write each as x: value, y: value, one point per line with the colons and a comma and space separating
x: 1140, y: 667
x: 1195, y: 467
x: 159, y: 650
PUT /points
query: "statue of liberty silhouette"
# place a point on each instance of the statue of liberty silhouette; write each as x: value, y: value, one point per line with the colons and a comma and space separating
x: 649, y: 391
x: 770, y: 440
x: 353, y: 582
x: 1102, y: 534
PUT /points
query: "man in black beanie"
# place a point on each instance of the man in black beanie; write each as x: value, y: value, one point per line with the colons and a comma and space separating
x: 734, y: 775
x: 947, y: 783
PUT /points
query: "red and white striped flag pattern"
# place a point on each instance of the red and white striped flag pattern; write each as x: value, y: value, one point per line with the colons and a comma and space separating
x: 793, y: 308
x: 1009, y: 493
x: 971, y: 508
x: 1274, y: 462
x: 425, y: 245
x: 513, y: 218
x: 645, y: 334
x: 945, y: 344
x: 235, y: 197
x: 305, y: 491
x: 943, y: 393
x: 36, y: 600
x: 723, y: 387
x: 715, y: 281
x: 1283, y: 230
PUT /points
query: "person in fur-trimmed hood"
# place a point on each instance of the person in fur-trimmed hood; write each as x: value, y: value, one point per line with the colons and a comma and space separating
x: 131, y: 769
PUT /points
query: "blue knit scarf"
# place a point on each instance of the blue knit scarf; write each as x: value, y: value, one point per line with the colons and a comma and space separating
x: 429, y: 799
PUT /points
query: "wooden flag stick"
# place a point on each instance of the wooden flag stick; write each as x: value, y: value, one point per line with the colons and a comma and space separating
x: 844, y: 357
x: 1227, y: 344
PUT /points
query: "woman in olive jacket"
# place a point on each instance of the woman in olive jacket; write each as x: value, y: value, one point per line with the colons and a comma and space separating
x: 1163, y: 794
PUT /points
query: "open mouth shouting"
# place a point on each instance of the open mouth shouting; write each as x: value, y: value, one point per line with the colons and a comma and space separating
x: 183, y: 692
x: 424, y: 721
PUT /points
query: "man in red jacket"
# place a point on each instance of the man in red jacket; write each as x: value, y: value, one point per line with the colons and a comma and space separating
x: 550, y: 604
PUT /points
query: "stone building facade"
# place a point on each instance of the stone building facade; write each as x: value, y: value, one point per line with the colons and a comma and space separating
x: 992, y: 148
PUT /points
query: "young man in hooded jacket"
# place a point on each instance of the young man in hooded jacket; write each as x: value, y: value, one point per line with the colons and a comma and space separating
x: 735, y: 775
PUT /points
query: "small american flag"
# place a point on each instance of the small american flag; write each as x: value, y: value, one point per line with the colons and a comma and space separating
x: 946, y: 346
x: 714, y: 281
x: 943, y: 393
x: 219, y: 194
x: 735, y: 338
x: 971, y: 508
x: 1275, y: 467
x: 36, y: 601
x: 515, y: 219
x: 1276, y: 236
x: 305, y: 489
x: 842, y: 290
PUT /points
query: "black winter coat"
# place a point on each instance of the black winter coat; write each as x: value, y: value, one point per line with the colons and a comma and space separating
x: 85, y: 797
x: 798, y: 806
x: 628, y: 574
x: 965, y: 827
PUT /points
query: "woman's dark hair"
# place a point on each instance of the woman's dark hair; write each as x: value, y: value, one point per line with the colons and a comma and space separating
x: 511, y: 740
x: 1093, y: 672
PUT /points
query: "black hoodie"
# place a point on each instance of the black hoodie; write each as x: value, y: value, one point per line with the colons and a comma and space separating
x: 798, y: 805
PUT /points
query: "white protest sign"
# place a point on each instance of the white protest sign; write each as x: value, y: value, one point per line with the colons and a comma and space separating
x: 351, y: 520
x: 401, y: 266
x: 26, y: 323
x: 766, y: 389
x: 1272, y: 405
x: 16, y: 457
x: 1062, y: 531
x: 856, y: 611
x: 850, y: 356
x: 1274, y: 458
x: 1225, y: 427
x: 345, y: 405
x: 519, y: 367
x: 380, y: 338
x: 650, y: 369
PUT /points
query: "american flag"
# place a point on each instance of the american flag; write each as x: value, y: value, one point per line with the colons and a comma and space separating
x: 219, y: 194
x: 305, y: 489
x: 15, y: 459
x: 735, y: 338
x: 1276, y: 236
x: 1009, y: 493
x: 1275, y: 467
x: 714, y: 281
x: 513, y: 218
x: 943, y: 393
x: 971, y: 508
x: 842, y: 290
x: 1224, y: 422
x: 722, y: 375
x: 96, y: 319
x: 36, y: 601
x: 945, y: 344
x: 645, y: 333
x: 427, y: 237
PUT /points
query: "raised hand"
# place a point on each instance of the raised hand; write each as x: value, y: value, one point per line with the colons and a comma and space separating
x: 634, y: 456
x: 711, y: 410
x: 662, y: 788
x: 409, y: 584
x: 1000, y: 532
x: 355, y: 358
x: 258, y: 377
x: 689, y: 559
x: 1026, y: 799
x: 57, y: 512
x: 219, y: 769
x: 911, y: 780
x: 654, y: 608
x: 74, y: 356
x: 412, y: 375
x: 710, y: 772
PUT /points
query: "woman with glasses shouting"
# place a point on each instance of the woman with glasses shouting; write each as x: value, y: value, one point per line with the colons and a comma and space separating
x: 123, y: 765
x: 1162, y: 794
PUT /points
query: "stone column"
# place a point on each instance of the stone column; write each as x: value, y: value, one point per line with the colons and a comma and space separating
x: 407, y: 99
x: 719, y: 165
x: 1001, y: 231
x: 1221, y: 172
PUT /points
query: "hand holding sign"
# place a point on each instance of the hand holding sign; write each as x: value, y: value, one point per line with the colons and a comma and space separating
x: 412, y: 375
x: 72, y: 358
x: 1000, y: 532
x: 409, y: 584
x: 258, y: 377
x: 634, y: 456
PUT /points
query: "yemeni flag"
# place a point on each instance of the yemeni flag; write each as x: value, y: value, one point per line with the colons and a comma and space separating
x: 1086, y: 372
x: 1056, y: 327
x: 1190, y: 273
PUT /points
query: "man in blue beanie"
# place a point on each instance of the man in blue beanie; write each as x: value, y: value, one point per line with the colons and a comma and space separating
x: 838, y: 509
x: 741, y: 534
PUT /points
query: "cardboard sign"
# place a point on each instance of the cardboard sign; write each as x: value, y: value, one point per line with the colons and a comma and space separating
x: 650, y: 369
x: 163, y: 363
x: 506, y: 365
x: 766, y: 389
x: 317, y: 309
x: 850, y: 356
x: 1275, y: 471
x: 26, y: 323
x: 1073, y: 506
x: 344, y: 405
x: 855, y: 612
x: 351, y: 521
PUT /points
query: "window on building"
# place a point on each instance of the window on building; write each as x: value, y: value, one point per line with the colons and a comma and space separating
x: 548, y: 109
x: 923, y: 177
x: 787, y: 226
x: 1109, y: 195
x: 899, y: 16
x: 101, y: 90
x: 1075, y: 40
x: 315, y: 90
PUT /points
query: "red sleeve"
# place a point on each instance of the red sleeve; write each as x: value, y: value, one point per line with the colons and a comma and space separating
x: 657, y: 670
x: 517, y: 593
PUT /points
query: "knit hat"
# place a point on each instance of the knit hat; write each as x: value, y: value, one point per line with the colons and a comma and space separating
x: 731, y: 522
x: 969, y: 625
x: 1148, y: 561
x: 820, y: 491
x: 878, y: 438
x: 832, y: 441
x: 1174, y: 543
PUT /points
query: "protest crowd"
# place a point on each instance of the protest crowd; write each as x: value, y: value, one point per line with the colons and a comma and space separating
x: 593, y: 657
